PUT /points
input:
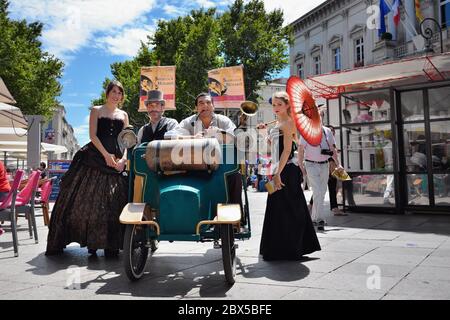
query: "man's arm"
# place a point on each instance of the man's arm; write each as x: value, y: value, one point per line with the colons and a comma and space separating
x: 301, y: 158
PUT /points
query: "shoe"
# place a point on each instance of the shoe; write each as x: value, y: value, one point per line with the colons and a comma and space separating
x: 154, y: 245
x: 337, y: 212
x: 321, y: 225
x: 111, y: 253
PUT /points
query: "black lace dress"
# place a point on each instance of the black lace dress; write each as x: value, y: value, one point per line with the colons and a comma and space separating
x: 91, y: 198
x: 288, y: 232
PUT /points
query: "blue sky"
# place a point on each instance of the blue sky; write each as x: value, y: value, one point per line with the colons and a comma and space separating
x: 90, y: 35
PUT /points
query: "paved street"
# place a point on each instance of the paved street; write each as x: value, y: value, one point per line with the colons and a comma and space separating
x: 364, y: 256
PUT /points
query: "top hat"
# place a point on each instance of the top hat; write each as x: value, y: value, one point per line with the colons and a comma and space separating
x: 154, y: 96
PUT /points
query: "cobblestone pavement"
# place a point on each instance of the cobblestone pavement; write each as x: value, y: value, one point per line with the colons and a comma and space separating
x: 364, y: 256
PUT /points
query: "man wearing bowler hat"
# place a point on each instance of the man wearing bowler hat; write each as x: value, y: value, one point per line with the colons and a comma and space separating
x: 158, y: 125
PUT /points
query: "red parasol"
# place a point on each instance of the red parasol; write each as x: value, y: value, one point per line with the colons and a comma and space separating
x: 304, y: 111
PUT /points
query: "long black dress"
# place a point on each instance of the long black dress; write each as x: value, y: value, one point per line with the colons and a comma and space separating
x: 288, y: 232
x: 91, y: 198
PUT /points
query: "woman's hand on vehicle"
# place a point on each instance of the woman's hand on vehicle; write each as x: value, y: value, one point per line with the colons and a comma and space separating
x: 121, y: 165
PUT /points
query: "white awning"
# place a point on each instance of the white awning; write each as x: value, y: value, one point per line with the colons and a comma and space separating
x: 11, y: 116
x: 13, y: 134
x: 412, y: 70
x: 5, y: 95
x: 56, y: 149
x: 21, y: 147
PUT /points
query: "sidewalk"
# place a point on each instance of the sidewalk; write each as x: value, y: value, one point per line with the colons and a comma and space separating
x: 364, y: 256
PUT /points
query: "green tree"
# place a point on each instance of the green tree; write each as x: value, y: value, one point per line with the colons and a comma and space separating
x: 256, y: 39
x: 128, y: 73
x: 30, y: 73
x: 191, y: 44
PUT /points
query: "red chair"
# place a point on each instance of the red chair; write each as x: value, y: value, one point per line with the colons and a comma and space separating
x: 8, y: 208
x: 25, y: 203
x: 43, y: 200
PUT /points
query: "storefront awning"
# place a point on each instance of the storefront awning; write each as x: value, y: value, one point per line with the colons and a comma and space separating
x: 399, y: 72
x: 11, y: 116
x: 21, y: 147
x: 5, y: 95
x: 56, y: 149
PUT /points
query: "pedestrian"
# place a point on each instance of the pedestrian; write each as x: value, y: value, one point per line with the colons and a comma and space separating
x: 94, y: 190
x: 288, y: 232
x: 43, y: 169
x: 332, y: 185
x: 313, y: 161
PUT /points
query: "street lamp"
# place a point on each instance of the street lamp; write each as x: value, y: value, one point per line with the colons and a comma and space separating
x: 428, y: 33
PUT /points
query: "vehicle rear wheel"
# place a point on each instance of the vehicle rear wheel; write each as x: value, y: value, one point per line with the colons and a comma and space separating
x: 228, y: 252
x: 135, y: 251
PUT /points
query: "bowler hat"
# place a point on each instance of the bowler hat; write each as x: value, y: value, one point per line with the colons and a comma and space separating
x: 154, y: 96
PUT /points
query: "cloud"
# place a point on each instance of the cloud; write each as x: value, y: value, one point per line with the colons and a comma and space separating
x: 173, y: 11
x: 82, y: 132
x: 73, y: 24
x: 126, y: 43
x: 205, y: 3
x: 292, y: 9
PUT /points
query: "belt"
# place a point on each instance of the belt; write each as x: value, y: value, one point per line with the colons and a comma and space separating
x: 319, y: 162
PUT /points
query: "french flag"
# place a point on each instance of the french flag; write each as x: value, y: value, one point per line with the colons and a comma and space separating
x: 396, y: 11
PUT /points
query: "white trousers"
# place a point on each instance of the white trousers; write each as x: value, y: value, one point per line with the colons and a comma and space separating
x: 318, y: 179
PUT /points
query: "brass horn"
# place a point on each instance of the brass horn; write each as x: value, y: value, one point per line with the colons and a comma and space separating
x: 341, y: 174
x: 249, y: 108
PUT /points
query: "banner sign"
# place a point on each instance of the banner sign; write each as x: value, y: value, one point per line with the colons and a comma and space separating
x: 158, y: 78
x: 226, y: 86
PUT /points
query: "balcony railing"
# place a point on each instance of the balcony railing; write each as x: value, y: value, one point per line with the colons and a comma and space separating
x: 401, y: 51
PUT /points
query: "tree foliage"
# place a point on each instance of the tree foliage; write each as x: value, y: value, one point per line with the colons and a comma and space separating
x: 203, y: 40
x: 255, y: 39
x: 30, y: 73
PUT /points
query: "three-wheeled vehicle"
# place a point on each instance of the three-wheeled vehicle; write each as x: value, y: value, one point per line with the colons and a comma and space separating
x: 179, y: 192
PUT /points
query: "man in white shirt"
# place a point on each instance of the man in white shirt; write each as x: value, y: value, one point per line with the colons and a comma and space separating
x: 205, y: 122
x: 313, y: 161
x: 208, y: 124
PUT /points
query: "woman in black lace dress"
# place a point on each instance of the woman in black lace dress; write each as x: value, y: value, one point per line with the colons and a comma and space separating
x: 288, y: 232
x: 94, y: 190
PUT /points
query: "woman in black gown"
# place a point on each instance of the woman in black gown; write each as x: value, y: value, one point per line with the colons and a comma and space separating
x: 94, y: 190
x: 288, y: 232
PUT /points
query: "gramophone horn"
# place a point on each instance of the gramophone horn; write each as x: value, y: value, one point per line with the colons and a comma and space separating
x: 249, y: 108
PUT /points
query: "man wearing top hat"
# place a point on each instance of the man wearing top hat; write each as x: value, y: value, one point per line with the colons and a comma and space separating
x: 158, y: 125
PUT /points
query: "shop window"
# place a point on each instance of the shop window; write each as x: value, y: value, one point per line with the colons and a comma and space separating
x: 412, y: 105
x: 359, y: 52
x: 336, y: 59
x: 439, y: 102
x: 445, y: 13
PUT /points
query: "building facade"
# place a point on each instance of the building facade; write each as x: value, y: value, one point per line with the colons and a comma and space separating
x: 343, y: 34
x: 58, y: 131
x: 387, y: 98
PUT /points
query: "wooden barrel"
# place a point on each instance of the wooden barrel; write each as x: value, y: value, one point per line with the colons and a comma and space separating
x: 183, y: 155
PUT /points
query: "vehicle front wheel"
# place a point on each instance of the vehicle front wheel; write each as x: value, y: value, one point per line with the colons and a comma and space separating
x: 228, y: 252
x: 135, y: 251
